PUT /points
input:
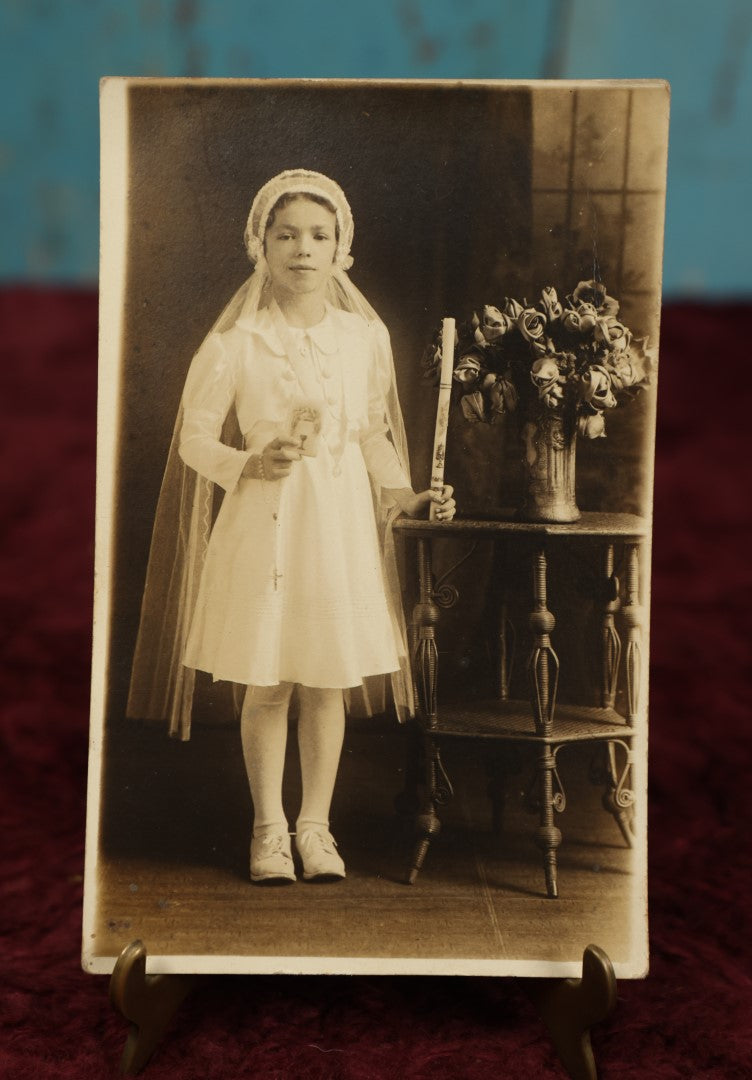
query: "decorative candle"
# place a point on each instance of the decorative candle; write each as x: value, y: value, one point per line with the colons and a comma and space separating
x: 442, y: 412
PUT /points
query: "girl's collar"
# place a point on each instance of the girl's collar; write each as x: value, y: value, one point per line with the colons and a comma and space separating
x: 323, y: 334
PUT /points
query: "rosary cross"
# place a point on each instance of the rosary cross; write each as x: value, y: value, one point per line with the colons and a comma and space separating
x: 276, y: 575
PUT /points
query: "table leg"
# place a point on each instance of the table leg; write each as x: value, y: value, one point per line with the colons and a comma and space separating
x: 618, y: 798
x: 633, y: 615
x: 425, y: 656
x: 505, y: 629
x: 547, y: 835
x: 435, y: 785
x: 543, y: 670
x: 427, y: 822
x: 614, y: 801
x: 407, y: 801
x: 610, y: 640
x: 543, y: 664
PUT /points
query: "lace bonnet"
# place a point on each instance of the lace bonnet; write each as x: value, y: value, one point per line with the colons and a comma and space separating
x: 299, y: 182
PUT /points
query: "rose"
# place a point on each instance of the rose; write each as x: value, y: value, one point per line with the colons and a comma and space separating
x: 622, y: 372
x: 531, y: 324
x: 592, y: 425
x: 544, y: 375
x: 493, y: 323
x: 544, y: 370
x: 512, y: 308
x: 468, y: 370
x: 571, y: 321
x: 613, y: 334
x: 594, y: 294
x: 549, y: 304
x: 629, y: 367
x: 595, y: 388
x: 588, y: 316
x: 642, y: 359
x: 501, y: 394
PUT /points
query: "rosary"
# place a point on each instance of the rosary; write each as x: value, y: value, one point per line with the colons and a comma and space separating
x: 274, y: 505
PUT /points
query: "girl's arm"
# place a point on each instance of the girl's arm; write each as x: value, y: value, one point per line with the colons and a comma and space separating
x: 207, y: 398
x: 275, y: 460
x: 381, y: 458
x: 418, y: 505
x: 383, y: 465
x: 379, y: 453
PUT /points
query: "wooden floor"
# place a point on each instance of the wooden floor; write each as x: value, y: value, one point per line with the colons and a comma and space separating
x: 173, y: 864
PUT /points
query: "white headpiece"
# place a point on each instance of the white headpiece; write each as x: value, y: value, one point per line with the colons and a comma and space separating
x: 299, y: 182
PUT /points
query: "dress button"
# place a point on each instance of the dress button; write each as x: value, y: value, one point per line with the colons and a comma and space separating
x: 330, y: 399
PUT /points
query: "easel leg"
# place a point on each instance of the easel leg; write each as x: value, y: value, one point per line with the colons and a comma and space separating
x: 148, y: 1002
x: 570, y: 1007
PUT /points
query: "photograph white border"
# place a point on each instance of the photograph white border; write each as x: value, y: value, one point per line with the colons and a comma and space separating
x: 114, y: 219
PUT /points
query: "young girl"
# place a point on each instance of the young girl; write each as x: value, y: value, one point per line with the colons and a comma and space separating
x: 295, y: 584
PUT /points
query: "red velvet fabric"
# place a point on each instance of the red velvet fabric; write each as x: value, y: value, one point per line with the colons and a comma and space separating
x: 690, y: 1018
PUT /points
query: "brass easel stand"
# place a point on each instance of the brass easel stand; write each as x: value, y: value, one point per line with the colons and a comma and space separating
x: 568, y: 1007
x: 149, y: 1002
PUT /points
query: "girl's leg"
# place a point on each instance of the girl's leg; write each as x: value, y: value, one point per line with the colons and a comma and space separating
x: 321, y: 729
x: 263, y: 731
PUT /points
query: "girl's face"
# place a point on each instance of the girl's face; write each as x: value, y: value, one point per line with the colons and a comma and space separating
x: 300, y: 246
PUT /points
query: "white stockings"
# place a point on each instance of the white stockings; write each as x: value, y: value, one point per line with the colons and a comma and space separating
x: 263, y: 728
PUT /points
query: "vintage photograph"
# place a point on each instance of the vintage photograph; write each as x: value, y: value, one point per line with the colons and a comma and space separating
x: 378, y: 385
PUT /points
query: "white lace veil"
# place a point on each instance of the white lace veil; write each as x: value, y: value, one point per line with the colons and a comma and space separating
x: 161, y: 686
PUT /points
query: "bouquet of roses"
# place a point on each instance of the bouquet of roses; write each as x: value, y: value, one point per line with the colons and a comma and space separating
x: 574, y: 358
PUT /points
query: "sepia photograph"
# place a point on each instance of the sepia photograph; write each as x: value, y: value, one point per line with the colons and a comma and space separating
x: 376, y: 432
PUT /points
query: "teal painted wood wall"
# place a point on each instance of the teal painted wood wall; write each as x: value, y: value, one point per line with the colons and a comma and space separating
x: 52, y: 55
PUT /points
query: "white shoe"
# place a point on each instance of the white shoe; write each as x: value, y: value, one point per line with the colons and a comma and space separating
x: 271, y: 858
x: 318, y: 850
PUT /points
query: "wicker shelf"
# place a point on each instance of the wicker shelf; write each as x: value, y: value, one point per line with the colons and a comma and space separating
x: 513, y: 721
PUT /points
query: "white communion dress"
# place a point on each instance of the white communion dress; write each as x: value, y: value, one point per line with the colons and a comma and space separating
x: 293, y: 588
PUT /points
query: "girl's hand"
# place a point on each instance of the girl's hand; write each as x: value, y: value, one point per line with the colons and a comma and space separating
x: 419, y: 505
x: 275, y: 461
